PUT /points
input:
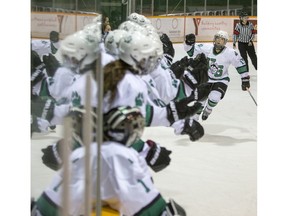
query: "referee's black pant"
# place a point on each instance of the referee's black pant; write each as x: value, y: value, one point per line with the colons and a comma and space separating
x: 244, y: 49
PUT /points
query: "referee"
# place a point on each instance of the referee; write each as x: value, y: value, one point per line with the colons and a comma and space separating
x: 244, y: 33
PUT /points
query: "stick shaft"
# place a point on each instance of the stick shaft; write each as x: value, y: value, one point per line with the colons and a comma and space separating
x: 251, y: 96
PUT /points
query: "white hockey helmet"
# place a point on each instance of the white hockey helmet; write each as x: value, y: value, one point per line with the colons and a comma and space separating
x: 134, y: 17
x: 93, y: 29
x: 146, y: 21
x: 138, y: 18
x: 79, y: 49
x: 132, y: 27
x: 137, y: 50
x: 112, y: 41
x: 98, y: 19
x: 124, y: 125
x: 150, y: 28
x: 220, y: 34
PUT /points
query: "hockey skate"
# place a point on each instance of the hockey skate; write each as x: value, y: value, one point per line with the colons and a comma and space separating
x: 206, y: 113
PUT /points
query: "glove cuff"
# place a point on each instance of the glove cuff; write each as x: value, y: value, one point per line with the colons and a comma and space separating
x: 172, y: 115
x: 150, y: 143
x: 245, y: 79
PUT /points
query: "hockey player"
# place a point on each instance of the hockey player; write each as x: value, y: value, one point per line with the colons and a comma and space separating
x: 42, y: 103
x: 220, y: 58
x: 161, y: 79
x: 68, y: 88
x: 44, y: 47
x: 170, y: 89
x: 138, y: 57
x: 126, y: 184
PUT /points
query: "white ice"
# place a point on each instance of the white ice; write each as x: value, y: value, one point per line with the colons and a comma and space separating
x: 215, y: 176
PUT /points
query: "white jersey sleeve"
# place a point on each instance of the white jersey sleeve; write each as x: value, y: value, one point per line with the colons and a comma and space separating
x: 60, y: 83
x: 202, y: 48
x: 166, y: 83
x: 42, y: 47
x: 238, y: 62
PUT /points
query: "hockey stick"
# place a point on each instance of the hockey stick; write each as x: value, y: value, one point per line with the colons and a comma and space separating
x: 87, y: 130
x: 251, y: 96
x: 66, y: 166
x: 99, y: 132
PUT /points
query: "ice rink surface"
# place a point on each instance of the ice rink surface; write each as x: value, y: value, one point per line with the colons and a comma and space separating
x: 215, y: 176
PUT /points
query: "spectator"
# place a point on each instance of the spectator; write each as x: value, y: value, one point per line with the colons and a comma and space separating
x: 106, y: 29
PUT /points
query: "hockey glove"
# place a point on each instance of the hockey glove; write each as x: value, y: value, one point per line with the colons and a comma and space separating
x: 51, y: 64
x: 199, y: 59
x: 157, y: 157
x: 43, y: 108
x: 34, y: 125
x: 177, y: 110
x: 37, y: 74
x: 174, y: 209
x: 245, y: 83
x: 179, y: 67
x: 35, y: 59
x: 52, y: 156
x: 190, y: 39
x: 193, y: 128
x: 167, y: 45
x: 201, y: 92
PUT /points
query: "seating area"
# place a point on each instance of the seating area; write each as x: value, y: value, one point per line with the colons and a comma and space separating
x: 232, y: 12
x: 50, y: 9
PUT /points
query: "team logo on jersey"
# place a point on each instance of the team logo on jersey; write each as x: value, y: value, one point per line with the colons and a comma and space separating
x: 76, y: 99
x: 139, y: 100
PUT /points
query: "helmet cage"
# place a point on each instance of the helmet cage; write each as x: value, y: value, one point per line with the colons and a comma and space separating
x: 124, y: 125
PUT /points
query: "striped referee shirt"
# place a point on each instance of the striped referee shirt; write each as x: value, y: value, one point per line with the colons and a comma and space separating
x: 244, y: 33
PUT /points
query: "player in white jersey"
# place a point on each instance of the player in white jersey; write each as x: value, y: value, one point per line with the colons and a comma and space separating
x: 68, y: 88
x: 170, y: 89
x: 220, y: 58
x: 126, y: 184
x: 138, y: 57
x: 41, y: 101
x: 45, y: 47
x: 160, y: 79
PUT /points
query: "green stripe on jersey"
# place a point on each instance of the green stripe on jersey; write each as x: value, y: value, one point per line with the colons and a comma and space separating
x: 242, y: 69
x: 155, y: 208
x: 138, y: 145
x: 46, y: 206
x: 149, y: 115
x: 181, y: 92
